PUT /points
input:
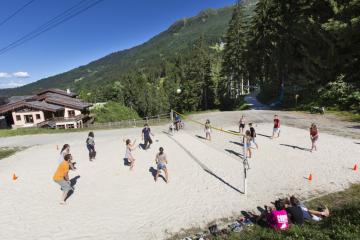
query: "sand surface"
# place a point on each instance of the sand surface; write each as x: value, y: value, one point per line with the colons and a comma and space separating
x: 206, y: 181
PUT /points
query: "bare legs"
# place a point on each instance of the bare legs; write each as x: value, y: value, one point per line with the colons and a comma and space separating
x: 208, y: 136
x: 313, y: 145
x: 166, y: 175
x: 132, y: 163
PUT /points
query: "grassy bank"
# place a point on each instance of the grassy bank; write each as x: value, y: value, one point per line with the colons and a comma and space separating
x: 101, y: 126
x: 343, y: 223
x: 7, y: 152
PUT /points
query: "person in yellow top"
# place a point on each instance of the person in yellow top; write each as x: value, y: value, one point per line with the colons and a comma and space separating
x: 61, y: 177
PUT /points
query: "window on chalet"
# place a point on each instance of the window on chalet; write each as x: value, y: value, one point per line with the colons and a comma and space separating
x: 38, y: 116
x: 71, y: 113
x: 18, y: 117
x: 29, y: 119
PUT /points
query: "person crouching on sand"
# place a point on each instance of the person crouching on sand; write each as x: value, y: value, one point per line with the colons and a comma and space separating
x: 314, y: 136
x: 161, y: 162
x: 64, y: 151
x: 90, y: 144
x: 208, y: 130
x: 61, y: 177
x: 128, y: 154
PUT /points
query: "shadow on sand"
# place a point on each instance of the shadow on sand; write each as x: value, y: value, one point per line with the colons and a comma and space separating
x: 201, y: 137
x: 235, y: 153
x: 296, y: 147
x: 205, y: 168
x: 153, y: 172
x: 263, y: 135
x: 73, y: 182
x: 237, y: 143
x: 126, y: 162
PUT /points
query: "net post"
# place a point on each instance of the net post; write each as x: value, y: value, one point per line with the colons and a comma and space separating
x: 245, y: 167
x: 172, y: 121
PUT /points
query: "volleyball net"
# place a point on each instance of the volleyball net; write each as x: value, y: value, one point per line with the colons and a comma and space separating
x: 173, y: 113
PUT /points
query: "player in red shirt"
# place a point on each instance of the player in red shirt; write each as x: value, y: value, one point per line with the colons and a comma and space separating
x: 276, y: 129
x: 314, y: 136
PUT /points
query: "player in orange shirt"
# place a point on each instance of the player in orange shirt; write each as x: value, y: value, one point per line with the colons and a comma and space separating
x: 61, y: 177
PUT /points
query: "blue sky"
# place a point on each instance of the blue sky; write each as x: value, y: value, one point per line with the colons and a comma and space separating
x: 110, y: 26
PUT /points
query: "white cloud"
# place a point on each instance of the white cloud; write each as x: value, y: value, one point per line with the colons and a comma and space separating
x: 4, y: 75
x: 11, y: 84
x: 21, y: 74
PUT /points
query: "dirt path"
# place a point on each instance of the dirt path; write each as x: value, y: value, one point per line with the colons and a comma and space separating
x: 326, y: 123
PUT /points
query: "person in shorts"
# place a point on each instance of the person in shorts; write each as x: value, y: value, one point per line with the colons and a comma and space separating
x: 207, y: 130
x: 247, y: 144
x: 161, y: 162
x: 276, y: 129
x: 128, y: 152
x: 242, y: 124
x: 64, y: 151
x: 90, y: 144
x: 61, y: 177
x: 314, y: 136
x: 253, y: 135
x: 146, y: 132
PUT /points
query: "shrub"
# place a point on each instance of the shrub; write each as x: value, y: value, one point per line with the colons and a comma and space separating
x: 112, y: 112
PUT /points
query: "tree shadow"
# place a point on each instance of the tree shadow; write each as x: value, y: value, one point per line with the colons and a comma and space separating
x: 235, y: 153
x: 263, y: 135
x: 296, y: 147
x: 205, y: 168
x: 153, y: 172
x: 201, y: 137
x: 237, y: 143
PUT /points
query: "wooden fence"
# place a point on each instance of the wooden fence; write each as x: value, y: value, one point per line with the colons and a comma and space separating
x: 153, y: 120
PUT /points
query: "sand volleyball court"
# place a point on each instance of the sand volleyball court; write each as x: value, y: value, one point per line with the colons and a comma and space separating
x: 206, y: 181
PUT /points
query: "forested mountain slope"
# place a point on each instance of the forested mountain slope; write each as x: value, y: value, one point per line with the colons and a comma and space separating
x: 175, y: 41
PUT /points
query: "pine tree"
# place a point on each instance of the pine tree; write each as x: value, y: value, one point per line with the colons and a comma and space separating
x: 233, y: 69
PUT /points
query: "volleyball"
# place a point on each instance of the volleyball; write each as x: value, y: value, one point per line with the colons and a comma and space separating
x: 178, y: 90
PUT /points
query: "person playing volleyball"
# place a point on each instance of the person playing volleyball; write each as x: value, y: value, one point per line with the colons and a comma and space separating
x: 208, y: 130
x: 161, y: 162
x: 276, y: 129
x: 314, y: 136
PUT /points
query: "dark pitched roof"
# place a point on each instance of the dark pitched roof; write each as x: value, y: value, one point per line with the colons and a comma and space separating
x: 30, y: 104
x: 64, y: 101
x: 58, y: 91
x: 49, y: 100
x: 14, y: 99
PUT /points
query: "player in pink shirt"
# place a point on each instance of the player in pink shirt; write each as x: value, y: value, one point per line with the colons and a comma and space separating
x: 277, y: 218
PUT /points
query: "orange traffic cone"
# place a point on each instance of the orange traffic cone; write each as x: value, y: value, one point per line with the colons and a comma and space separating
x: 355, y: 167
x: 310, y: 177
x: 14, y: 177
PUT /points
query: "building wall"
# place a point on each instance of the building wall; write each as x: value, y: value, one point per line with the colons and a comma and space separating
x: 66, y: 112
x: 22, y: 123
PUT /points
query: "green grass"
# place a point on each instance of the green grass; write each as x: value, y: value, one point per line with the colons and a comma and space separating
x: 343, y: 223
x: 34, y: 131
x: 187, y: 114
x: 113, y: 112
x: 7, y: 152
x: 350, y: 116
